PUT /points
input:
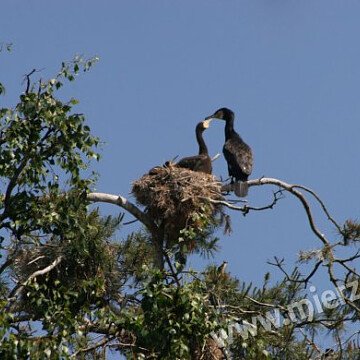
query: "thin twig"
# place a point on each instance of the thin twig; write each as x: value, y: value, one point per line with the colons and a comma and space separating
x: 173, y: 273
x: 27, y: 79
x: 290, y: 188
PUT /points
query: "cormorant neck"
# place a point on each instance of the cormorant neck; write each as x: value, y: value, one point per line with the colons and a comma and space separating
x: 202, y: 146
x: 229, y: 128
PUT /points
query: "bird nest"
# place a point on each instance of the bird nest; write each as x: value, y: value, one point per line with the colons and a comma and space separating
x: 178, y: 198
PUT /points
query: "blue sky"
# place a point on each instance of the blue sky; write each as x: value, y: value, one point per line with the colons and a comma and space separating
x: 290, y: 70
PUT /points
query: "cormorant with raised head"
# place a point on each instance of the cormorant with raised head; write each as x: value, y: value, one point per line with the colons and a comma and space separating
x: 221, y: 269
x: 202, y: 161
x: 237, y: 153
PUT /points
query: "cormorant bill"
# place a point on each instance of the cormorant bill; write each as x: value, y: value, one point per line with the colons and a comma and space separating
x: 201, y: 162
x: 237, y: 153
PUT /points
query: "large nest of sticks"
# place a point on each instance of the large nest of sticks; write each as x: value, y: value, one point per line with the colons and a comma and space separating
x: 175, y: 197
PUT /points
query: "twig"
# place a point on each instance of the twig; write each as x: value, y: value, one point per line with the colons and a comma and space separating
x: 36, y: 259
x: 246, y: 208
x: 173, y: 273
x: 27, y: 79
x: 266, y: 304
x: 130, y: 222
x: 310, y: 342
x: 215, y: 157
x: 292, y: 189
x: 335, y: 281
x: 304, y: 280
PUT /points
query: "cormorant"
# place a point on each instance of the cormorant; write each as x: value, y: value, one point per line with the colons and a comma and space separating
x: 221, y: 269
x: 237, y: 153
x: 201, y: 162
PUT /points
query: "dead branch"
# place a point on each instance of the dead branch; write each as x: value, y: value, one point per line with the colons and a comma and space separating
x: 291, y: 189
x: 104, y: 342
x: 322, y: 206
x: 138, y: 214
x: 335, y: 282
x: 268, y: 305
x: 17, y: 289
x: 125, y: 204
x: 44, y: 271
x: 28, y: 81
x: 246, y: 208
x: 305, y: 280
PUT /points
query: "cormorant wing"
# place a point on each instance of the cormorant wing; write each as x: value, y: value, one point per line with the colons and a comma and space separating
x: 196, y: 163
x: 238, y: 156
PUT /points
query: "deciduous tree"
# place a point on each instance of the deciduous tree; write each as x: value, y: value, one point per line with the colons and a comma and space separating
x: 72, y: 287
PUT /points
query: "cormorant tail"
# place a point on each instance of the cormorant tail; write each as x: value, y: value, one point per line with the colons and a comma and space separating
x: 241, y: 189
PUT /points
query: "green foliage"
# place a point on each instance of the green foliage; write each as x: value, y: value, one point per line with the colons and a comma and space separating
x: 87, y: 275
x: 135, y: 253
x: 84, y: 280
x: 175, y: 321
x: 41, y: 141
x: 45, y: 146
x: 198, y: 237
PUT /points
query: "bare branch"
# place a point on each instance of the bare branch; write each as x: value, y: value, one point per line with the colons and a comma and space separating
x: 172, y: 270
x: 157, y: 236
x: 27, y: 79
x: 351, y: 258
x: 272, y: 306
x: 312, y: 273
x: 44, y: 271
x: 292, y: 189
x: 246, y: 209
x: 225, y: 203
x: 335, y: 281
x: 101, y: 343
x: 322, y: 206
x: 300, y: 279
x: 343, y: 262
x: 125, y: 204
x: 299, y: 195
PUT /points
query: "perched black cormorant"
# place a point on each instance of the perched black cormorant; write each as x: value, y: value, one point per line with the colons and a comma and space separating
x: 221, y: 269
x: 237, y: 153
x: 201, y: 162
